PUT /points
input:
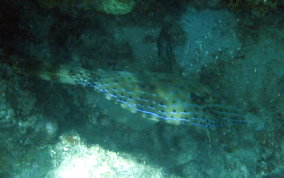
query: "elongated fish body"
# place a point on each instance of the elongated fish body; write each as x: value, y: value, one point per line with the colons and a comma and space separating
x: 160, y: 97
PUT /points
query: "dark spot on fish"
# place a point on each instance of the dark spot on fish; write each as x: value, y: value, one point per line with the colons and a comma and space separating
x: 197, y: 99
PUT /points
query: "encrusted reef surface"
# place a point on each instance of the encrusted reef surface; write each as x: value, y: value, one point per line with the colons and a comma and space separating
x: 230, y: 52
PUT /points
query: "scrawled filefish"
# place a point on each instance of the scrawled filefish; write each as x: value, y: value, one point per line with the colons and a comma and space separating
x: 156, y: 96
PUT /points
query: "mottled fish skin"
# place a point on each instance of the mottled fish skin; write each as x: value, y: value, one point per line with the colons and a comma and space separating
x: 156, y: 96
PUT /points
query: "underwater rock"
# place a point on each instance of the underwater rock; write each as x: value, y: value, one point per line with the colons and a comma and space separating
x: 47, y: 128
x: 171, y: 35
x: 75, y: 158
x: 281, y: 84
x: 115, y: 7
x: 209, y: 35
x: 258, y: 8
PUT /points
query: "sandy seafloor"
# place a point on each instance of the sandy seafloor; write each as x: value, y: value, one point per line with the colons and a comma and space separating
x: 48, y: 129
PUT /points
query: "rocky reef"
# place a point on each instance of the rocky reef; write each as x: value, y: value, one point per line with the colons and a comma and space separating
x: 48, y: 128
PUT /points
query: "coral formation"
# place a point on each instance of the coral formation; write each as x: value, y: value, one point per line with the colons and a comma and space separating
x: 116, y: 7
